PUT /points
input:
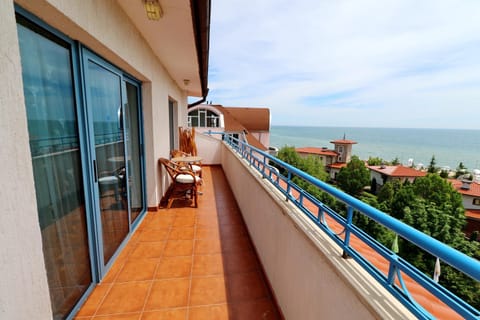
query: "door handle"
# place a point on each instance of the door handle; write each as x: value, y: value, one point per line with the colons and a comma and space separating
x: 95, y: 171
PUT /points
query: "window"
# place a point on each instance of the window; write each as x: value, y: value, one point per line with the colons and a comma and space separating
x: 476, y: 202
x: 203, y: 118
x: 173, y: 123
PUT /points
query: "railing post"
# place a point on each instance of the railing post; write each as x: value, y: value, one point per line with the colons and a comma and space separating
x: 347, y: 232
x: 289, y: 177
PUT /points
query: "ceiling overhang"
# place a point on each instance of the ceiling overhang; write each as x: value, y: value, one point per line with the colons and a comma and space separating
x: 180, y: 39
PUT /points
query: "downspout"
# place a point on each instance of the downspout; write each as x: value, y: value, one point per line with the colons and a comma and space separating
x: 191, y: 105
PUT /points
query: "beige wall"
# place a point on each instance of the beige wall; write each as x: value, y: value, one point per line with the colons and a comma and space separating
x: 263, y: 137
x: 309, y: 278
x: 106, y: 29
x: 23, y: 284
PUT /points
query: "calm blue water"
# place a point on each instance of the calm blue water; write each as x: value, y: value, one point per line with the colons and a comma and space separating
x: 449, y: 146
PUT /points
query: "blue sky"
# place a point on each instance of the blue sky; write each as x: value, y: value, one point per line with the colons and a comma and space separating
x: 368, y: 63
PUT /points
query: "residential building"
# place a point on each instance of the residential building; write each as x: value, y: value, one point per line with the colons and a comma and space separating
x: 379, y: 175
x: 333, y: 160
x: 470, y: 191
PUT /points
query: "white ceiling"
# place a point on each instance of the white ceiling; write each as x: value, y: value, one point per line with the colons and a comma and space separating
x: 171, y: 38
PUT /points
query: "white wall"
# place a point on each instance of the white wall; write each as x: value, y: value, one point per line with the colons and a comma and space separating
x: 23, y: 282
x: 106, y: 29
x: 209, y: 148
x: 309, y: 278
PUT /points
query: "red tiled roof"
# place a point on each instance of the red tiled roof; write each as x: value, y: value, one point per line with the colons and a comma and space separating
x: 474, y: 190
x: 319, y: 151
x: 337, y: 165
x: 398, y: 171
x: 343, y: 141
x: 474, y: 214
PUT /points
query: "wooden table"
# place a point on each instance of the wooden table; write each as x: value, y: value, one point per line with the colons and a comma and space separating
x: 188, y: 159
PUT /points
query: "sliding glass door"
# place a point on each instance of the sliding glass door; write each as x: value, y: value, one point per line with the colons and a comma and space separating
x: 85, y: 130
x: 105, y: 110
x: 114, y: 120
x: 57, y: 164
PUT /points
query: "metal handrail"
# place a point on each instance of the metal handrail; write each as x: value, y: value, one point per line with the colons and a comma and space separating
x: 261, y: 160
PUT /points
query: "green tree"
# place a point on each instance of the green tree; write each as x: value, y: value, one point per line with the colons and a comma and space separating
x: 387, y: 194
x: 311, y: 165
x: 375, y: 161
x: 444, y: 174
x: 432, y: 166
x: 461, y: 170
x: 436, y: 209
x: 289, y: 155
x: 354, y: 177
x: 396, y: 161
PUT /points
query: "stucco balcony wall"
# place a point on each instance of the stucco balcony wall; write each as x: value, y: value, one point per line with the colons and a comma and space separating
x: 304, y: 267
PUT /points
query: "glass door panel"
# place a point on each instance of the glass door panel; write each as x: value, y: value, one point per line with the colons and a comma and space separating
x: 104, y: 102
x: 57, y: 166
x: 134, y: 144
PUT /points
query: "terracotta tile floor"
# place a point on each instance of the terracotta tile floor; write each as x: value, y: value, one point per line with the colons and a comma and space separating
x: 187, y: 263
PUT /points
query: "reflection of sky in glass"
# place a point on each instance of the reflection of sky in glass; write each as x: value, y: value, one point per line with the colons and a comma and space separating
x: 48, y: 90
x: 105, y: 101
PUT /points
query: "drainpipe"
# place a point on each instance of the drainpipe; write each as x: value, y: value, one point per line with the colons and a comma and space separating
x: 191, y: 105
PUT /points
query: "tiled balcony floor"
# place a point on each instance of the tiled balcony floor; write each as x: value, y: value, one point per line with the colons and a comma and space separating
x: 187, y: 263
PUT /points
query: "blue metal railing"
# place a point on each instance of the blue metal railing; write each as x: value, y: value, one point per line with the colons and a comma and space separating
x: 261, y: 161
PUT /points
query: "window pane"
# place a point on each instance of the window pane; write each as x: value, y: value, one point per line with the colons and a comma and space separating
x: 54, y: 141
x: 133, y: 147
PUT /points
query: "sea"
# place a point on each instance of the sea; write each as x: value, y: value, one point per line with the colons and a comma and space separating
x: 449, y: 146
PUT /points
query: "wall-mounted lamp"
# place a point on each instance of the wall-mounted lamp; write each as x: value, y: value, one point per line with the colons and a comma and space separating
x: 153, y: 9
x: 186, y: 82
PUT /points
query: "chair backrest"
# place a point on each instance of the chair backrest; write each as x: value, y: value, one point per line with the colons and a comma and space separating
x: 169, y: 166
x: 174, y: 169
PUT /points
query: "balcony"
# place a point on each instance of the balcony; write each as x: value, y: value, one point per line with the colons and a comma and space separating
x: 187, y: 263
x: 255, y: 243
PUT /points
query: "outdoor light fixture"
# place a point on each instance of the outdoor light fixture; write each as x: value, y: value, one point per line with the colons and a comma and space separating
x: 153, y: 8
x: 186, y: 82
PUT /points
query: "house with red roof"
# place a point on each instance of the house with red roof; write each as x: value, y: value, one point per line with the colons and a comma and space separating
x: 333, y: 160
x: 470, y: 191
x: 379, y: 175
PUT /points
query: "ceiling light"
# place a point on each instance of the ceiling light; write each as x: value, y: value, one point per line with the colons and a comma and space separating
x: 153, y: 9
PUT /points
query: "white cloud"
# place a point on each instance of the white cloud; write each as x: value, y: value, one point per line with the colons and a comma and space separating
x: 347, y: 62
